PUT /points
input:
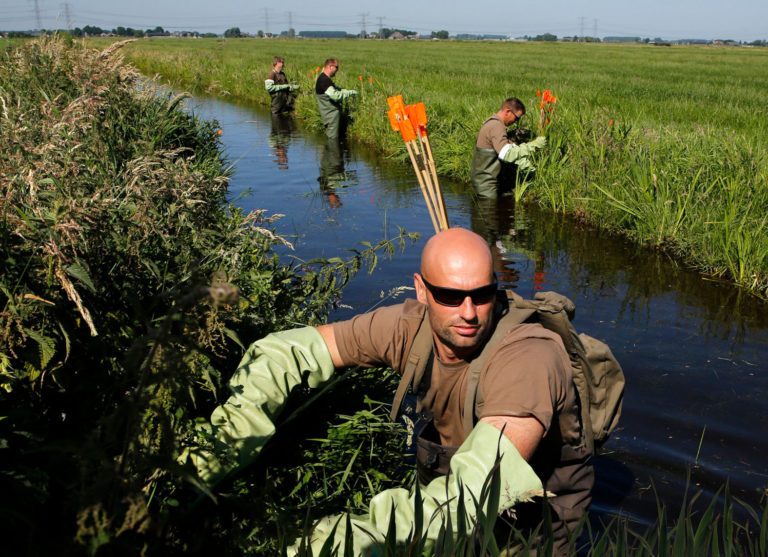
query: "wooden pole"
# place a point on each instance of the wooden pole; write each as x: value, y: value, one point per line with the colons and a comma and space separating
x: 438, y: 189
x: 431, y: 183
x: 422, y: 185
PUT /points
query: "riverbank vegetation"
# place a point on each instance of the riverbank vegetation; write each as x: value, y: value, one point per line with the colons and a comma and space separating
x: 665, y: 146
x: 128, y: 288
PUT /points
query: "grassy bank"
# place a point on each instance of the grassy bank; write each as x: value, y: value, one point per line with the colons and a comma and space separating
x: 665, y: 145
x: 128, y: 287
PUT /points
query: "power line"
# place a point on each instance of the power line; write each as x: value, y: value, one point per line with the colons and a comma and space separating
x: 37, y: 15
x: 67, y: 16
x: 362, y: 24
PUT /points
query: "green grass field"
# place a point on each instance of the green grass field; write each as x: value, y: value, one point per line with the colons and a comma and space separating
x: 665, y: 145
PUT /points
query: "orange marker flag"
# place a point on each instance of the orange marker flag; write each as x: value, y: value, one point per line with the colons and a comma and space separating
x: 393, y: 120
x: 417, y: 114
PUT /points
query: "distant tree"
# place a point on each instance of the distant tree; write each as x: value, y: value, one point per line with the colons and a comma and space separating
x: 291, y: 32
x: 442, y: 34
x: 545, y: 37
x: 92, y: 30
x: 259, y: 34
x: 386, y: 32
x: 233, y: 32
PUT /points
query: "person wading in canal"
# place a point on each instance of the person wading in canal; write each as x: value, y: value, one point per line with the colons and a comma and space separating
x: 489, y: 383
x: 496, y: 152
x: 278, y: 87
x: 330, y: 100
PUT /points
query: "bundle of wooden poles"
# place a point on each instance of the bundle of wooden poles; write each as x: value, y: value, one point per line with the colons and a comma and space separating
x: 411, y: 121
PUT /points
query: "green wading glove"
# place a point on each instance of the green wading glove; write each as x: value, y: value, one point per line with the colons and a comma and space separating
x: 470, y: 467
x: 524, y: 163
x: 270, y: 86
x: 340, y: 94
x: 513, y: 153
x: 265, y: 376
x: 294, y: 86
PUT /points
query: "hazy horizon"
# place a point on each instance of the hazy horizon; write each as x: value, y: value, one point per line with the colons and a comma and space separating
x: 743, y: 20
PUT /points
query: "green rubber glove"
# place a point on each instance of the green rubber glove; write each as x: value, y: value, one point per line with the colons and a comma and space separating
x: 265, y: 376
x: 524, y: 163
x: 537, y: 143
x: 470, y: 467
x: 271, y: 87
x: 294, y: 86
x: 512, y: 152
x: 349, y: 93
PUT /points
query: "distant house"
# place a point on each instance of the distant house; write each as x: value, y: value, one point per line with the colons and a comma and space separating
x: 721, y: 42
x: 397, y: 36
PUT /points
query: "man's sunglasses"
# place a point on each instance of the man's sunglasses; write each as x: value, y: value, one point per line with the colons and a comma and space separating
x: 453, y: 298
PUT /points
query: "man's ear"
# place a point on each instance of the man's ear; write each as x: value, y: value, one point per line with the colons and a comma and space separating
x: 421, y: 290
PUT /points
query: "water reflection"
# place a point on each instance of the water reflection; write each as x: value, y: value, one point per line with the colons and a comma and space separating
x: 283, y: 128
x: 332, y: 173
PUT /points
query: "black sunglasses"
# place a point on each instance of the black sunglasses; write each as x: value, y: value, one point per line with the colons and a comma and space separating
x: 453, y: 298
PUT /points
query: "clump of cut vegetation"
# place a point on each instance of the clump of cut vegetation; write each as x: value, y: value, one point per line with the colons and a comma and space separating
x: 664, y: 146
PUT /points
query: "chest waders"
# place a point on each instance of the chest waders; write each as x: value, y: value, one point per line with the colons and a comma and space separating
x: 491, y: 177
x: 330, y: 114
x: 486, y: 168
x: 282, y: 100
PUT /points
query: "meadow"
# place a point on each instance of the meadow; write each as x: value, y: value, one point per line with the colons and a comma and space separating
x: 663, y: 145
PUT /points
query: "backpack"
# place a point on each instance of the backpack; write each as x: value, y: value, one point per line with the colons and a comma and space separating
x: 597, y: 375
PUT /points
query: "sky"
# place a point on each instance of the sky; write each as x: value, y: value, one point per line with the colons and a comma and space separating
x: 745, y: 20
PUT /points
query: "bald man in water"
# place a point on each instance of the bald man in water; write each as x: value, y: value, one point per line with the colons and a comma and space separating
x: 526, y: 388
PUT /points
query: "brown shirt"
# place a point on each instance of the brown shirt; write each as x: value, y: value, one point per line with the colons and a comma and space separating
x: 278, y: 77
x: 529, y: 376
x: 492, y: 135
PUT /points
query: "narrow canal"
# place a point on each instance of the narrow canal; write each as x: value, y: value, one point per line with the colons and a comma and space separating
x: 694, y: 351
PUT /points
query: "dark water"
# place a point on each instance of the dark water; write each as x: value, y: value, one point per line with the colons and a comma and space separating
x: 694, y: 351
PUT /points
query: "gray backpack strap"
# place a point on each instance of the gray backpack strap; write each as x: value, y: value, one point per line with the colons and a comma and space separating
x: 418, y: 357
x: 511, y: 317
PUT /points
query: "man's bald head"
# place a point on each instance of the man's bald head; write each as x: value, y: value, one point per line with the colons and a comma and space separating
x: 455, y: 253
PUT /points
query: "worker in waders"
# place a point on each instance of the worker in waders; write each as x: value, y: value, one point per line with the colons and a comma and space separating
x: 523, y: 411
x: 330, y: 100
x: 280, y: 91
x: 497, y: 155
